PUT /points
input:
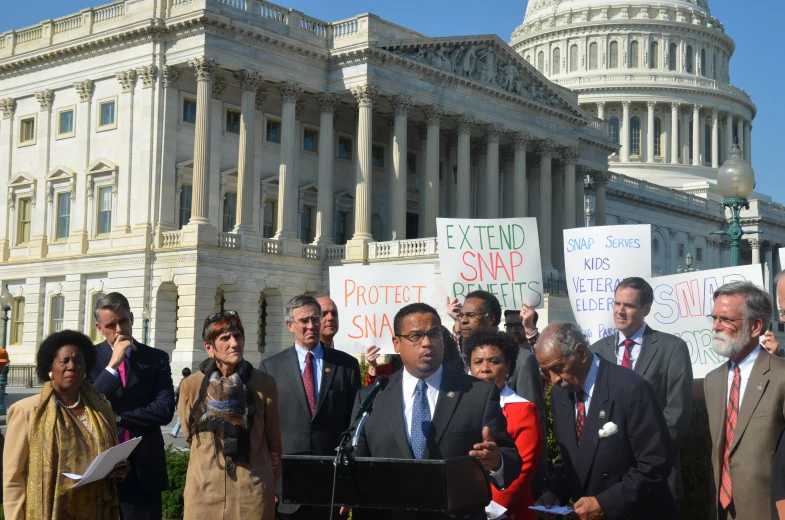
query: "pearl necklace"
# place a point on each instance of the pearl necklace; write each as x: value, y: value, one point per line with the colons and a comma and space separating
x: 71, y: 407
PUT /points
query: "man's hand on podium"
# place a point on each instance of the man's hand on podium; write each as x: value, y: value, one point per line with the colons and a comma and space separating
x: 487, y: 452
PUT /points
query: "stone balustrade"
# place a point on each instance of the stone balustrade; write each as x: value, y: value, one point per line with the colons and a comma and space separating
x: 170, y: 240
x: 228, y: 240
x: 271, y: 247
x: 403, y: 248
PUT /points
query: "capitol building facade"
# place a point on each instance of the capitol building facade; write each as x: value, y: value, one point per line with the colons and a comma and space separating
x: 199, y: 155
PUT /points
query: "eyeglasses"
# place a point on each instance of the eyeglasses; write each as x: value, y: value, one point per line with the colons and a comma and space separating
x: 416, y: 337
x: 724, y: 320
x: 217, y: 316
x: 782, y: 314
x: 304, y: 322
x: 510, y: 326
x: 471, y: 315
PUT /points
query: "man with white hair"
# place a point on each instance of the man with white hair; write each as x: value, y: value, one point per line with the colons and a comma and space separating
x: 745, y: 399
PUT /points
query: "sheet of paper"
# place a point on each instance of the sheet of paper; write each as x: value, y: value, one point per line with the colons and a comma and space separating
x: 495, y: 511
x: 555, y: 510
x: 103, y: 464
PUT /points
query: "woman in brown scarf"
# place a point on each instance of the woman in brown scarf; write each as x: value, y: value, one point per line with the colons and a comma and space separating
x: 230, y: 417
x: 60, y: 431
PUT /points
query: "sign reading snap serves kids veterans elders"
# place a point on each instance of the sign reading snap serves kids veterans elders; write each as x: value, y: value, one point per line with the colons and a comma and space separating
x: 681, y: 303
x: 596, y: 259
x: 369, y: 296
x: 501, y: 256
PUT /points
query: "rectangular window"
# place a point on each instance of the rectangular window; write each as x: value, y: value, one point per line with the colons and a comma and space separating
x: 657, y: 137
x: 230, y: 211
x: 680, y: 250
x: 63, y: 215
x: 310, y: 140
x: 186, y: 194
x: 306, y: 231
x: 25, y: 219
x: 270, y: 218
x: 27, y: 130
x: 699, y: 254
x: 17, y: 320
x: 377, y: 156
x: 345, y: 148
x: 189, y: 110
x: 65, y: 122
x: 106, y: 114
x: 94, y: 334
x: 411, y: 163
x: 273, y: 134
x: 340, y: 228
x: 232, y: 121
x: 104, y: 210
x: 56, y: 313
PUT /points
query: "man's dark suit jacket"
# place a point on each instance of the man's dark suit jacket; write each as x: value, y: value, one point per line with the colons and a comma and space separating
x: 143, y: 406
x: 464, y: 407
x: 664, y: 361
x: 321, y: 433
x: 627, y: 472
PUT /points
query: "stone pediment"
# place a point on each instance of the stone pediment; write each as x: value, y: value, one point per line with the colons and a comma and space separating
x: 101, y: 165
x: 60, y: 173
x: 22, y: 179
x: 489, y: 61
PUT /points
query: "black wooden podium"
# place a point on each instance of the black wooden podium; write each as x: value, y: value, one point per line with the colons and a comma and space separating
x: 441, y: 486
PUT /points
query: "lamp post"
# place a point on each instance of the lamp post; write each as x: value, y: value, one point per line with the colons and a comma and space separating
x: 689, y: 268
x: 145, y: 323
x: 735, y: 180
x: 6, y: 300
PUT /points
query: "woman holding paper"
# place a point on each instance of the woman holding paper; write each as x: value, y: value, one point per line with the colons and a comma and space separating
x: 229, y: 413
x: 492, y: 355
x: 61, y: 430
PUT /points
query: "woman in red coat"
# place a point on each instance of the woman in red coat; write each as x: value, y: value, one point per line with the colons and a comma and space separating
x: 492, y: 355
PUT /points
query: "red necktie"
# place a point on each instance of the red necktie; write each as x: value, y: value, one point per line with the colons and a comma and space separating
x: 626, y: 360
x: 309, y: 382
x: 125, y: 435
x: 581, y: 418
x: 726, y: 496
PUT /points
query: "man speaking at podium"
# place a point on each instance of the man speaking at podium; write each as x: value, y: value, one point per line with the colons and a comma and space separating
x: 430, y: 411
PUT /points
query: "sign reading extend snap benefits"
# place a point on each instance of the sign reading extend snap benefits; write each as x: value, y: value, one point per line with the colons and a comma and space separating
x: 596, y: 259
x: 681, y: 303
x: 501, y: 256
x: 369, y: 296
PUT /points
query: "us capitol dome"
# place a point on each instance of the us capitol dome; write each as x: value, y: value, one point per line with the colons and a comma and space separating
x: 656, y: 72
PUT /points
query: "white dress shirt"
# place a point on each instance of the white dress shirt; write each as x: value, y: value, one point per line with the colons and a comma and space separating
x: 745, y: 367
x: 635, y: 352
x: 588, y: 385
x: 318, y: 356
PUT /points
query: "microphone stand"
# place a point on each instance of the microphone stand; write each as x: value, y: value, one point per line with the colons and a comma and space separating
x: 343, y: 456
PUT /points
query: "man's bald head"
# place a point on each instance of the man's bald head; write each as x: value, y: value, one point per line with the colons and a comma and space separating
x: 329, y: 320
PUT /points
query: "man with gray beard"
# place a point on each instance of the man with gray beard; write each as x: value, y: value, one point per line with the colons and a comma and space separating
x: 745, y: 399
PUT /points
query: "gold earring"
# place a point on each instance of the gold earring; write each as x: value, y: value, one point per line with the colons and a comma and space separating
x: 211, y: 355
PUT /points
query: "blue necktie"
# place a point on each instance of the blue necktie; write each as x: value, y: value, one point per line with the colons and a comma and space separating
x: 421, y: 419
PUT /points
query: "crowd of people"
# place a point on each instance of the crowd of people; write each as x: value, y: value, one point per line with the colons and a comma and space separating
x: 620, y: 407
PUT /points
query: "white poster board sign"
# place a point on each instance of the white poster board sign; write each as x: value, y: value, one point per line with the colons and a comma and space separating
x: 369, y: 296
x: 596, y: 259
x: 501, y: 256
x: 681, y: 303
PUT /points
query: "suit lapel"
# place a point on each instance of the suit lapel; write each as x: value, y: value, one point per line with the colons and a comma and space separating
x: 449, y: 396
x: 390, y: 403
x: 328, y: 371
x: 648, y: 351
x: 756, y: 386
x: 567, y: 402
x: 591, y: 438
x: 133, y: 367
x: 293, y: 369
x: 716, y: 392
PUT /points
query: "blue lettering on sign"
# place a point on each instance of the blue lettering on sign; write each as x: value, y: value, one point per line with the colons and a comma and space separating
x: 579, y: 244
x: 622, y: 243
x: 603, y: 332
x: 596, y: 264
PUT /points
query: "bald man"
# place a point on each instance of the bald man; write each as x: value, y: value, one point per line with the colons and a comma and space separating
x: 329, y: 320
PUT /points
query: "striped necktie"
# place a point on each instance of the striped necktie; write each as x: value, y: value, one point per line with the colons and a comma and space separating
x: 726, y: 494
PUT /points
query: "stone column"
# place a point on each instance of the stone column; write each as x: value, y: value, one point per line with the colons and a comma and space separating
x: 463, y: 204
x: 755, y: 244
x: 580, y: 196
x: 715, y: 138
x: 422, y: 133
x: 601, y: 109
x: 356, y: 248
x: 430, y: 209
x: 625, y: 132
x: 570, y: 156
x: 740, y: 133
x: 728, y: 136
x: 451, y: 171
x: 324, y: 197
x: 747, y: 143
x: 520, y: 192
x: 600, y: 182
x: 77, y: 241
x: 544, y: 220
x: 696, y: 149
x: 650, y: 132
x: 480, y: 150
x: 287, y: 176
x: 675, y: 133
x: 493, y: 134
x: 249, y: 83
x: 7, y: 125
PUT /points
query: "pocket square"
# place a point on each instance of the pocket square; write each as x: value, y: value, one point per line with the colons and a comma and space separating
x: 608, y: 430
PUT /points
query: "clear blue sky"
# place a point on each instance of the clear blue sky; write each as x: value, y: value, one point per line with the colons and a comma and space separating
x: 757, y: 65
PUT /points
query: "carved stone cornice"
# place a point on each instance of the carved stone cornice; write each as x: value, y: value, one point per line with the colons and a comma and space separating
x: 520, y: 140
x: 494, y: 132
x: 45, y: 98
x: 127, y: 80
x: 755, y: 243
x: 691, y: 237
x: 464, y: 125
x: 651, y: 104
x: 219, y: 86
x: 171, y: 76
x: 204, y: 68
x: 676, y: 106
x: 290, y: 92
x: 261, y: 97
x: 327, y: 102
x: 365, y: 95
x: 547, y: 146
x: 147, y: 74
x: 625, y: 104
x: 571, y: 155
x: 249, y: 80
x: 434, y: 115
x: 85, y: 90
x: 7, y: 107
x: 402, y: 104
x: 672, y: 233
x: 600, y: 178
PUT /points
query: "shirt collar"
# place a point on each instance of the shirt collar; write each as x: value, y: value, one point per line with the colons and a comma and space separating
x: 637, y: 337
x: 410, y: 382
x: 748, y: 360
x: 591, y: 377
x: 318, y: 351
x: 508, y: 396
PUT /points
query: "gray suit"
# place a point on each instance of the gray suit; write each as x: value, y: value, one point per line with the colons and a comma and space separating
x: 664, y: 361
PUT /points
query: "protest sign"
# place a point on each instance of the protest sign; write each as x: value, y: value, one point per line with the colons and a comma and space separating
x: 782, y: 257
x: 596, y: 259
x: 369, y: 296
x: 501, y: 256
x: 682, y: 302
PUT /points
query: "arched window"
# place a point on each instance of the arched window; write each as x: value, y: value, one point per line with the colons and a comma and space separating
x: 657, y: 137
x: 541, y: 62
x: 574, y: 58
x: 634, y: 55
x: 703, y: 62
x: 613, y: 129
x: 556, y: 63
x: 673, y: 52
x: 593, y: 56
x: 689, y: 60
x: 654, y: 56
x: 614, y: 56
x: 635, y: 136
x: 529, y: 58
x: 707, y: 144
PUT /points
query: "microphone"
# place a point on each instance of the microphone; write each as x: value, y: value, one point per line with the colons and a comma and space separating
x: 365, y: 406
